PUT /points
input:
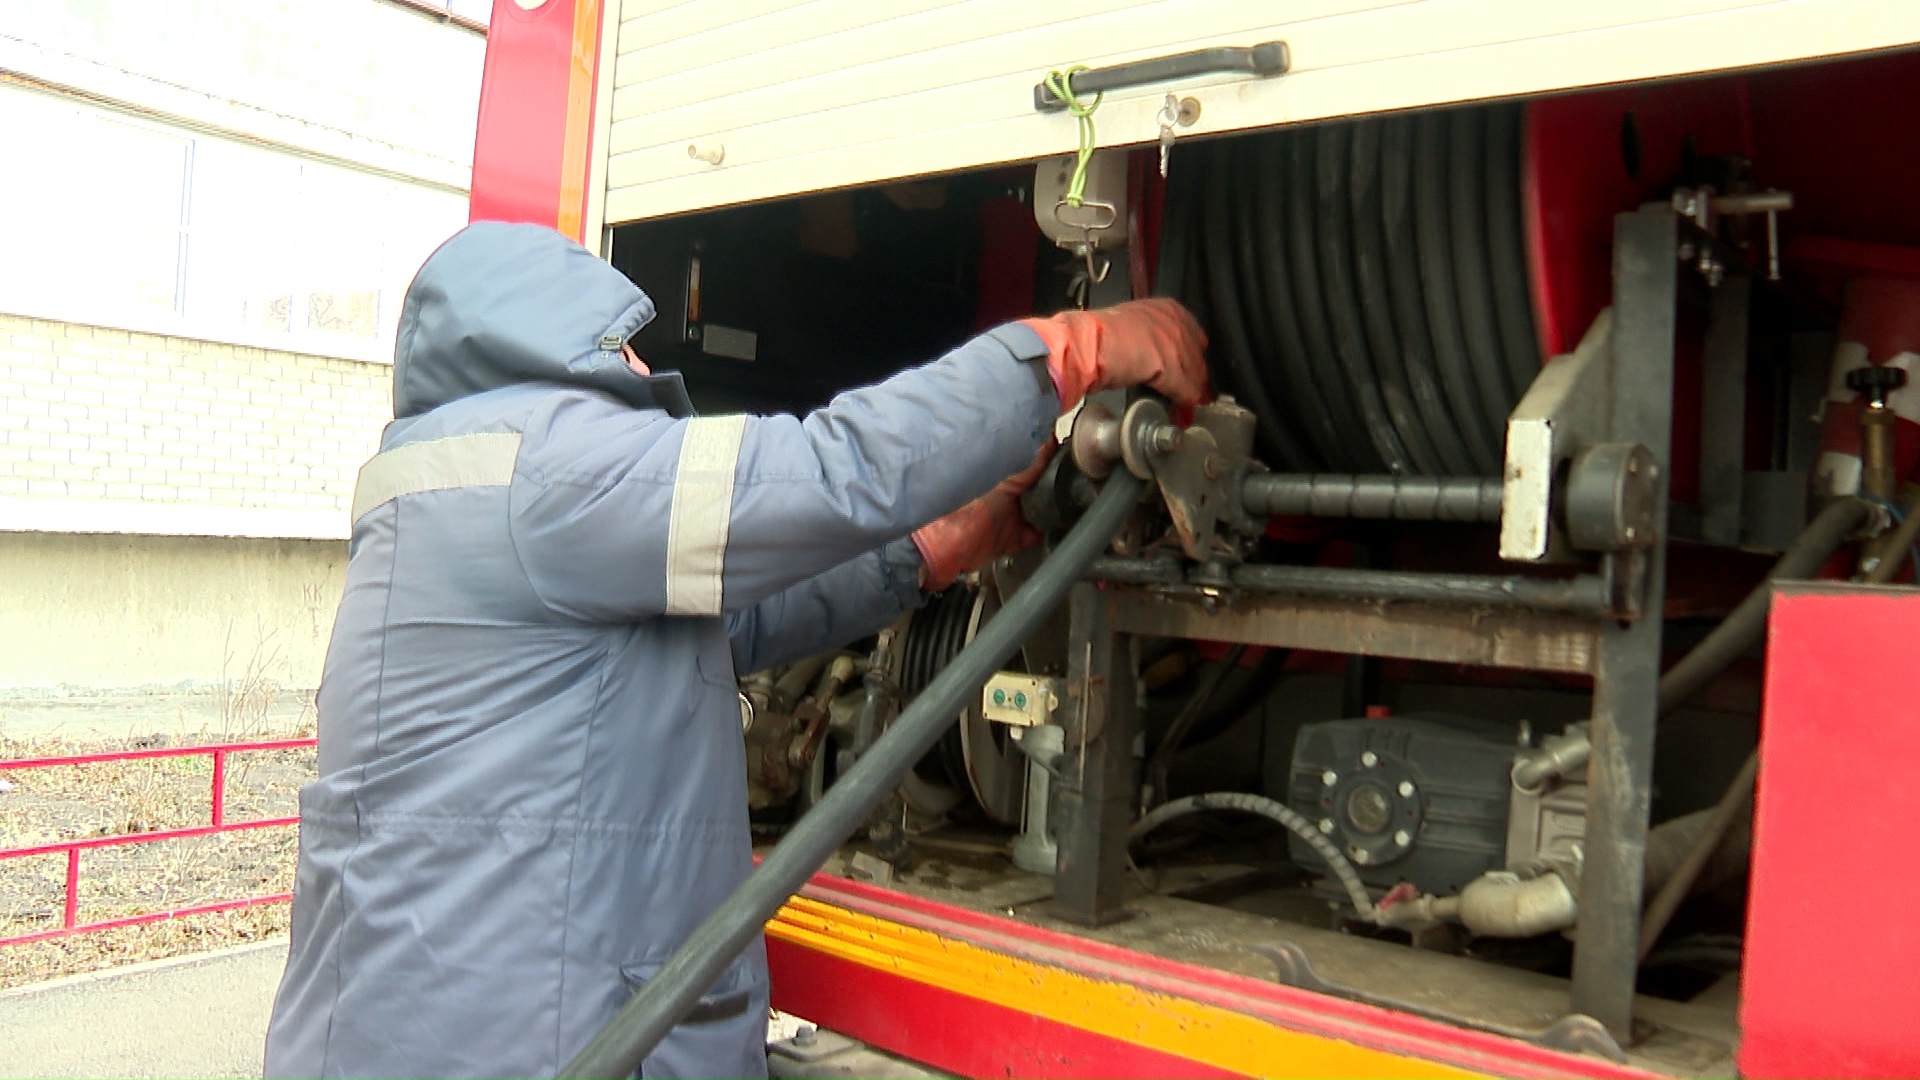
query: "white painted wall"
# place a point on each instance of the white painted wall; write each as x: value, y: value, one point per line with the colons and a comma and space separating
x: 120, y: 613
x: 374, y: 69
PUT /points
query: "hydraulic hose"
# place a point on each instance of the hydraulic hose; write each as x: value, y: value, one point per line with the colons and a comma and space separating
x: 1737, y: 633
x: 1661, y: 909
x: 1273, y: 811
x: 646, y: 1019
x: 1161, y: 760
x: 1740, y: 630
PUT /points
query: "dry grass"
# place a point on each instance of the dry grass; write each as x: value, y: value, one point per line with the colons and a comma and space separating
x: 129, y: 797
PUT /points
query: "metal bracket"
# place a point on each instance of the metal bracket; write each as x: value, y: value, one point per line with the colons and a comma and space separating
x: 1610, y: 493
x: 1566, y: 408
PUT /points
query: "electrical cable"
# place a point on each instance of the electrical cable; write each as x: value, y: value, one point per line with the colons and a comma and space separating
x: 1154, y: 791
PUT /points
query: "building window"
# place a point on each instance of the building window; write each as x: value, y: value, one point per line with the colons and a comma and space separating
x: 105, y: 218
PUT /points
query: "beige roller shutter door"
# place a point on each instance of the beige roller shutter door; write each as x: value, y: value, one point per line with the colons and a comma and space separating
x: 717, y: 102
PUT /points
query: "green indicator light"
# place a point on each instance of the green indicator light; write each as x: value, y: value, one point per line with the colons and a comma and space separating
x: 1019, y: 701
x: 999, y: 697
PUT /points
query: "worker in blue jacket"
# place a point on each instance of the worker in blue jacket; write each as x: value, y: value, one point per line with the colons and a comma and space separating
x: 532, y: 785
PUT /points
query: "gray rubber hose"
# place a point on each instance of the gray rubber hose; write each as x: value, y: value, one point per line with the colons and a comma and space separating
x: 667, y: 997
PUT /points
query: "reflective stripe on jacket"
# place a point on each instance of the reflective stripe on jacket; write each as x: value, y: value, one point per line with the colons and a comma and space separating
x: 531, y: 783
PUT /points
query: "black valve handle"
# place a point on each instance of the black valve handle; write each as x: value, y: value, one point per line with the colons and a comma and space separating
x: 1874, y: 382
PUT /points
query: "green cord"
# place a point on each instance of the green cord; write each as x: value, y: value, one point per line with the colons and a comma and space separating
x: 1061, y: 83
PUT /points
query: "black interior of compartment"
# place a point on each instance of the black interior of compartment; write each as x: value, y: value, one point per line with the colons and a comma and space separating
x: 839, y: 289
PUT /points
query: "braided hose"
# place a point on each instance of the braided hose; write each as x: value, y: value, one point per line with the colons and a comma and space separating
x: 1273, y: 811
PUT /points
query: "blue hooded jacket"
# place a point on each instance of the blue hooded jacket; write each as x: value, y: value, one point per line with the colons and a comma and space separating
x: 531, y: 783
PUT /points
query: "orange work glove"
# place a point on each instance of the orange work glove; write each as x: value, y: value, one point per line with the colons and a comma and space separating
x: 1154, y: 343
x: 979, y: 532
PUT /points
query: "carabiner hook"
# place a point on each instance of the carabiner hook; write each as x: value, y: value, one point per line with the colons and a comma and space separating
x: 1096, y: 276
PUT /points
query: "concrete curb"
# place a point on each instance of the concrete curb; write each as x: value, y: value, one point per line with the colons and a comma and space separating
x: 278, y: 941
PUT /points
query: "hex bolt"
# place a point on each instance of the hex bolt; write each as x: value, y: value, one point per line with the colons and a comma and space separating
x: 1329, y: 778
x: 1369, y: 759
x: 1326, y: 825
x: 1166, y: 438
x: 1403, y: 838
x: 1360, y: 856
x: 1406, y: 789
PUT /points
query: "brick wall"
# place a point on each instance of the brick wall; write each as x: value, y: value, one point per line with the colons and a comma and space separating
x: 106, y: 430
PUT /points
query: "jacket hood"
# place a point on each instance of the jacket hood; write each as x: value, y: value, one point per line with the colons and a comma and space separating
x: 502, y: 304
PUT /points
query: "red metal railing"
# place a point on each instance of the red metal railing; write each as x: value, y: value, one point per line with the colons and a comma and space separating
x: 218, y: 824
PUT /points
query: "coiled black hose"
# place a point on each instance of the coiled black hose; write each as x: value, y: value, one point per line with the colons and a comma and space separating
x: 1334, y: 242
x: 1507, y: 245
x: 1232, y: 321
x: 1433, y: 247
x: 1409, y: 304
x: 1365, y: 283
x: 1271, y: 287
x: 1466, y: 202
x: 1351, y: 447
x: 1366, y: 178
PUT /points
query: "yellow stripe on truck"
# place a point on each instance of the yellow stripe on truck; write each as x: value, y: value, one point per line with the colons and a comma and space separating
x: 1181, y: 1027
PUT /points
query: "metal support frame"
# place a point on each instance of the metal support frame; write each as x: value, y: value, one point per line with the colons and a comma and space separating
x: 1627, y: 669
x: 1587, y: 594
x: 1610, y: 401
x: 1093, y: 801
x: 1523, y: 640
x: 1723, y: 419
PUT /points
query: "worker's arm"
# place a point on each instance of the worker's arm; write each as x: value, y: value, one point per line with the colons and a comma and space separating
x: 627, y: 515
x: 859, y: 597
x: 634, y: 515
